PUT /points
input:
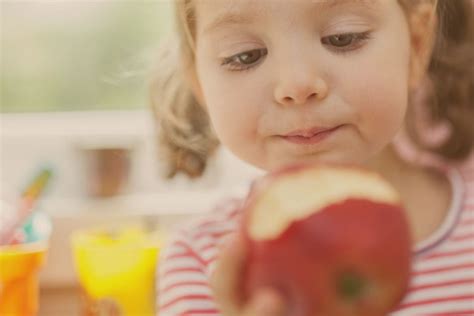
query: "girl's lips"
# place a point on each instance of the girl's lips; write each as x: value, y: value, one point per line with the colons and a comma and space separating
x: 309, y: 137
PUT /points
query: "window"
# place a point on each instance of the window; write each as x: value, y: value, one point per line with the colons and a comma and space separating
x: 79, y: 55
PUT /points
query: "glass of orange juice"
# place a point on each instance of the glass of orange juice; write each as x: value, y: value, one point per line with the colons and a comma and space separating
x: 116, y: 270
x: 19, y: 268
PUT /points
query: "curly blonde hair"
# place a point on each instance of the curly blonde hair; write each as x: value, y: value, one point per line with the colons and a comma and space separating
x: 451, y: 81
x: 185, y: 134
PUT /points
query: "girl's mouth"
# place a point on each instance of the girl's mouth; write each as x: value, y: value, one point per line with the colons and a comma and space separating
x: 310, y: 136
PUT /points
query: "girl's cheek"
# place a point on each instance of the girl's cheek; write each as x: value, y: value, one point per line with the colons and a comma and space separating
x: 376, y: 89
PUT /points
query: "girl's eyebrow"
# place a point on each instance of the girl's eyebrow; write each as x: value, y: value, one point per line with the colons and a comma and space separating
x: 236, y: 17
x: 230, y: 18
x: 334, y: 3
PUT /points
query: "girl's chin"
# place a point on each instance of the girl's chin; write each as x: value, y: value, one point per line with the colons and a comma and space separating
x: 327, y: 157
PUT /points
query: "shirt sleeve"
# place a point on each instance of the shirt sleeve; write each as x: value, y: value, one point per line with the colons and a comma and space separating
x: 183, y: 284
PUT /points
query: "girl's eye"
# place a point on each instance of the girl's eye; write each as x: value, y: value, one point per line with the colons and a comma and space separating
x: 344, y: 42
x: 244, y: 60
x: 340, y: 40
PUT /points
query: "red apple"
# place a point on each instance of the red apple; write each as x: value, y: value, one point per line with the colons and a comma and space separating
x: 333, y: 240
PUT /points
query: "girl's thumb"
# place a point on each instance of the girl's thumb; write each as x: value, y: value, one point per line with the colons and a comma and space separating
x: 266, y: 302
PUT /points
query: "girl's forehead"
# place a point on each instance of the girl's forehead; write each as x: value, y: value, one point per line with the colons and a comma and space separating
x: 213, y: 14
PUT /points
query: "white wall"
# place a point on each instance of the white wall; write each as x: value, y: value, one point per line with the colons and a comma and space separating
x: 28, y: 140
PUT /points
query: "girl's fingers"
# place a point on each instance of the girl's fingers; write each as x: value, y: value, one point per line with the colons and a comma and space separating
x: 227, y: 275
x: 225, y: 282
x: 265, y: 303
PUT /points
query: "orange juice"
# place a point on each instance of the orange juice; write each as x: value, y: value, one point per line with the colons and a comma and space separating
x: 116, y: 271
x: 19, y: 267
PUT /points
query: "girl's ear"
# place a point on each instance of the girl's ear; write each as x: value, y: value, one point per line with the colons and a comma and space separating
x: 193, y: 83
x: 423, y: 26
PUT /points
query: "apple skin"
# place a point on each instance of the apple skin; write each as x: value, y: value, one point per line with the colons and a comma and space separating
x: 352, y: 257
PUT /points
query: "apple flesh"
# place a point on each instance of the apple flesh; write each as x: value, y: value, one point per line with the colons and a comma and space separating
x: 333, y: 240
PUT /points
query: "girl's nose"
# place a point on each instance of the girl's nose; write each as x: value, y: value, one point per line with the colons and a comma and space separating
x: 300, y: 89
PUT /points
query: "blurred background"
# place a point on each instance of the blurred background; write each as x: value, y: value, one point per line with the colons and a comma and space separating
x: 71, y: 55
x: 74, y: 99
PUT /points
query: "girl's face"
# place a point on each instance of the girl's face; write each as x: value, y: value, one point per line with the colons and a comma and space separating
x: 303, y: 80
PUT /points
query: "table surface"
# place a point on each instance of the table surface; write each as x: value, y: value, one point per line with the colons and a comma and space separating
x: 59, y: 302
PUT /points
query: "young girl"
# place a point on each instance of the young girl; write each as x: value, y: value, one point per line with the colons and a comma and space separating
x: 280, y: 82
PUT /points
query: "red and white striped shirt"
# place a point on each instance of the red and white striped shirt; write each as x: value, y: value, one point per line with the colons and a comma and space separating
x: 442, y: 282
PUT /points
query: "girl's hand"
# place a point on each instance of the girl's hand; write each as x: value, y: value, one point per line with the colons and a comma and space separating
x: 225, y: 283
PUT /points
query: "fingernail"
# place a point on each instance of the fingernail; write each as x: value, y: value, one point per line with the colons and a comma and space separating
x: 265, y: 304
